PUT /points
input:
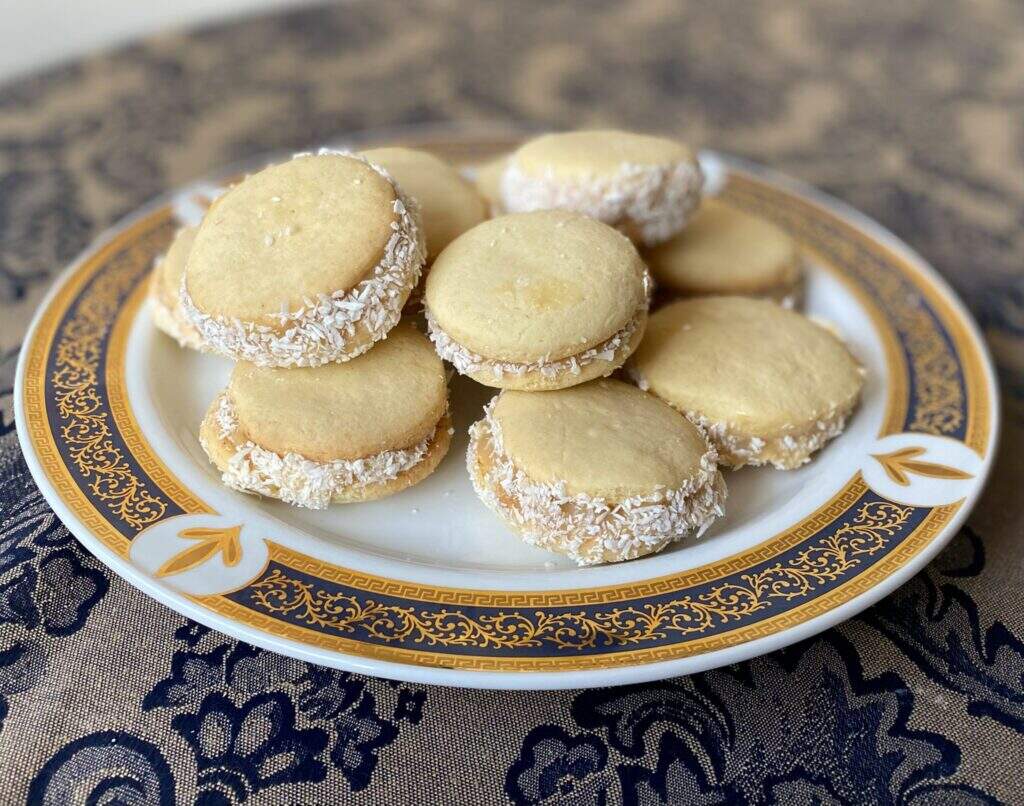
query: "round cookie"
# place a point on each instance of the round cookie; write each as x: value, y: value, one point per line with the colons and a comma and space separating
x: 768, y: 385
x: 645, y: 186
x: 304, y: 263
x: 600, y: 472
x: 449, y: 205
x: 164, y: 285
x: 537, y: 301
x: 723, y: 251
x: 488, y: 183
x: 346, y: 432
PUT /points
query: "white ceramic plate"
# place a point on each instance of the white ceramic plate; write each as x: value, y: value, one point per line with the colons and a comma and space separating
x: 427, y: 585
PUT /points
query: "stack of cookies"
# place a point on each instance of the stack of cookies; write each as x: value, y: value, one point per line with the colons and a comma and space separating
x: 538, y: 281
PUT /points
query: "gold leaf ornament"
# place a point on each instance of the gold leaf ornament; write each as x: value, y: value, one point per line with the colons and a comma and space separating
x: 898, y: 466
x: 209, y: 541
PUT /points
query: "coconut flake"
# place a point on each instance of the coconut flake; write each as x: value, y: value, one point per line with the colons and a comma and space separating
x: 468, y: 362
x: 304, y: 482
x: 319, y: 333
x: 227, y: 421
x: 737, y: 449
x: 172, y: 321
x: 657, y: 199
x: 588, y: 529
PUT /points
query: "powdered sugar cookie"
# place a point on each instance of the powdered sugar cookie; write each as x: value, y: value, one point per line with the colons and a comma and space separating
x: 345, y: 432
x: 304, y: 263
x: 536, y: 301
x: 600, y: 472
x: 645, y: 186
x: 768, y: 385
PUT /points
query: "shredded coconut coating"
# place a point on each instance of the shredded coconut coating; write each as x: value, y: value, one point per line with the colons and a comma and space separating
x: 787, y: 452
x: 227, y: 420
x: 466, y: 361
x: 174, y: 324
x: 325, y: 329
x: 652, y: 202
x: 736, y: 449
x: 590, y: 530
x: 303, y: 482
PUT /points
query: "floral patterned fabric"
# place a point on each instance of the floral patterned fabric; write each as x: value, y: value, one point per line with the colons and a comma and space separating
x: 910, y: 111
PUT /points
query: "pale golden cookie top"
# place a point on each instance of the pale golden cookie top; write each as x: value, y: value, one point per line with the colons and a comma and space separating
x: 314, y: 225
x: 596, y: 153
x: 726, y: 250
x: 171, y: 266
x: 387, y: 399
x: 488, y: 181
x: 746, y: 362
x: 604, y: 438
x: 449, y: 204
x: 532, y: 286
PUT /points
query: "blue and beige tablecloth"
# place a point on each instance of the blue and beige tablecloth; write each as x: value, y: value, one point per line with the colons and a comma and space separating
x: 912, y: 112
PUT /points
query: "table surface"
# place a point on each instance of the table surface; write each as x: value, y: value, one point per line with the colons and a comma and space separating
x: 911, y: 112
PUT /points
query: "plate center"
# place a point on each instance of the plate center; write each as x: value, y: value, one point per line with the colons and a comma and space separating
x: 439, y: 527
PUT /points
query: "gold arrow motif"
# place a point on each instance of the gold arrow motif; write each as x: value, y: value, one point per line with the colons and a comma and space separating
x: 210, y: 541
x: 899, y: 464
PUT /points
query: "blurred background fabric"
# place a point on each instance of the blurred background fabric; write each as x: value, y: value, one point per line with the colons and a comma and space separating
x: 912, y: 112
x: 47, y: 32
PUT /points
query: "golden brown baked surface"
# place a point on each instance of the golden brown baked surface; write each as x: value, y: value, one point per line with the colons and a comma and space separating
x: 170, y: 269
x: 605, y: 438
x: 449, y: 204
x: 530, y: 286
x: 310, y: 226
x: 387, y: 399
x: 769, y: 384
x: 596, y: 153
x: 724, y: 250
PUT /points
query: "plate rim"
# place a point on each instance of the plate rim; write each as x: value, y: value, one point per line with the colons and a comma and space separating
x: 612, y: 675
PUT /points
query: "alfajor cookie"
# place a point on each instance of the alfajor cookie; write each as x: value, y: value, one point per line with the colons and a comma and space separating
x: 449, y: 204
x: 645, y: 186
x: 724, y: 251
x: 345, y: 432
x: 537, y: 301
x: 304, y: 263
x: 768, y: 385
x: 600, y: 472
x: 164, y: 285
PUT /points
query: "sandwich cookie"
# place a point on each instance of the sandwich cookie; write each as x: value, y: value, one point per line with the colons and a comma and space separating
x: 769, y: 386
x: 304, y: 263
x: 645, y: 186
x: 164, y: 285
x: 449, y: 205
x: 724, y: 251
x: 537, y: 301
x: 600, y: 472
x: 348, y: 432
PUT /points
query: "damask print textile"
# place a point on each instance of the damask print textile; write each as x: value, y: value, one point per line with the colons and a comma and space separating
x: 910, y: 112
